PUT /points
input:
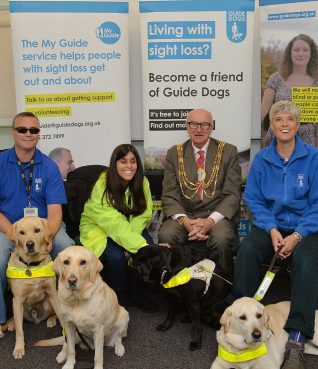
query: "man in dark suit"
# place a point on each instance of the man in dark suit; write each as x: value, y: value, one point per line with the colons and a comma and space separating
x: 202, y: 192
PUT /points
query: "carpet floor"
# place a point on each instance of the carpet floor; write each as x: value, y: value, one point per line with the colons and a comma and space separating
x: 146, y: 348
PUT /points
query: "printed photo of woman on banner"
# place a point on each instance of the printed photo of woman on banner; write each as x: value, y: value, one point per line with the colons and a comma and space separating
x: 289, y: 63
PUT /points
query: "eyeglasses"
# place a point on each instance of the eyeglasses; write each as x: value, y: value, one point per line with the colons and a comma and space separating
x: 203, y: 125
x: 24, y: 130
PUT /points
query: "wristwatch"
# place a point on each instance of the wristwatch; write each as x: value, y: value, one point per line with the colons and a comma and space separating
x: 298, y: 236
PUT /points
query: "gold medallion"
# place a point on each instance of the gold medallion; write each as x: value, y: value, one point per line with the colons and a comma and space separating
x: 201, y: 174
x: 28, y: 272
x: 208, y: 187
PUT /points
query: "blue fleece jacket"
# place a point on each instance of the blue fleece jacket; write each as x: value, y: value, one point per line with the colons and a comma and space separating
x: 284, y: 195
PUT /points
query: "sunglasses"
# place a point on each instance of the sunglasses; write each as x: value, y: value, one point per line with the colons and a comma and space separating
x: 24, y: 130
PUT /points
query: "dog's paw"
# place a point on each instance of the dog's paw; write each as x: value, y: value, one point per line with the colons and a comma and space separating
x: 18, y: 352
x: 51, y: 321
x: 194, y: 345
x: 119, y: 349
x: 61, y: 357
x: 1, y: 333
x: 69, y: 364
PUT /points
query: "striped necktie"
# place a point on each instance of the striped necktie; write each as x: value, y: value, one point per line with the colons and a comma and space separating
x: 201, y: 172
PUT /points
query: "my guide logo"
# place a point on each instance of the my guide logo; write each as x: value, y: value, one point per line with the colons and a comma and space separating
x: 108, y: 32
x: 236, y: 25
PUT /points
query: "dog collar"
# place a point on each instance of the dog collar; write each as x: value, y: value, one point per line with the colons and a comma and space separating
x: 243, y: 355
x: 33, y: 263
x: 33, y: 272
x: 202, y: 270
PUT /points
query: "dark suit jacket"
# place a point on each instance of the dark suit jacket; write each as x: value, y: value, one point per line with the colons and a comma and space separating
x: 228, y: 187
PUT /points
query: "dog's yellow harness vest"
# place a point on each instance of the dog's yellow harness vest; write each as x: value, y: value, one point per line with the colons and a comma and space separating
x: 243, y: 355
x: 202, y: 270
x: 41, y: 271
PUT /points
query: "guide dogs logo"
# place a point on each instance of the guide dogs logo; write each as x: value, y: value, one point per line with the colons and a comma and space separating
x: 236, y: 25
x: 300, y: 181
x: 38, y: 184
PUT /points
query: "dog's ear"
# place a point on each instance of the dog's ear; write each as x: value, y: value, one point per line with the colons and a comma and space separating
x: 96, y: 267
x: 266, y: 320
x: 47, y: 234
x: 226, y: 319
x: 12, y: 235
x: 142, y: 261
x: 56, y: 266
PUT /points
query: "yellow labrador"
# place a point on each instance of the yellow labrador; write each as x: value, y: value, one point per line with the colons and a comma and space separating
x: 30, y: 277
x: 249, y: 325
x: 88, y: 305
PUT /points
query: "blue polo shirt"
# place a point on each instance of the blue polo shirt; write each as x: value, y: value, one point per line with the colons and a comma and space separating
x: 47, y: 185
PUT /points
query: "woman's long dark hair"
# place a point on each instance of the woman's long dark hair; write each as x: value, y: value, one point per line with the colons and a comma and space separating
x: 115, y: 186
x: 286, y: 66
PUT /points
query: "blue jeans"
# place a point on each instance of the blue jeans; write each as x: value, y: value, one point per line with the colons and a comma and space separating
x: 115, y: 263
x: 61, y: 240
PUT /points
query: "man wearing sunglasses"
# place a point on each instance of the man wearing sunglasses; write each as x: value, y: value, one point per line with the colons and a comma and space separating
x: 202, y: 192
x: 30, y: 184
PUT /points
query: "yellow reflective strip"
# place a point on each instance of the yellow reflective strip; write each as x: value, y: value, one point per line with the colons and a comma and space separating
x: 242, y: 356
x: 182, y: 277
x: 36, y: 272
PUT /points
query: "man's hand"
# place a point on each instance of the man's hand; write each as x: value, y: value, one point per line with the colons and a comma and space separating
x: 5, y: 224
x: 54, y: 217
x: 200, y: 229
x: 206, y: 224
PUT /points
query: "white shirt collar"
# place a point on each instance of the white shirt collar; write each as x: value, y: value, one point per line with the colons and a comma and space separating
x: 204, y: 148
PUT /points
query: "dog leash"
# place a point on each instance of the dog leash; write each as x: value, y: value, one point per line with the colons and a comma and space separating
x: 267, y: 280
x: 80, y: 336
x: 83, y: 339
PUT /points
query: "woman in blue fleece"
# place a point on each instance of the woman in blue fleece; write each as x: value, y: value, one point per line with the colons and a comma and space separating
x: 282, y: 195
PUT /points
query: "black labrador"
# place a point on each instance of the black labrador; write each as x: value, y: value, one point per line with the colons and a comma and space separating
x: 158, y: 264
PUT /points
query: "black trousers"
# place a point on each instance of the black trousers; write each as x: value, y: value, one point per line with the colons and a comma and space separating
x: 254, y: 250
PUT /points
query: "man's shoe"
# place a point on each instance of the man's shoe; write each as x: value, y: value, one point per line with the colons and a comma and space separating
x: 294, y: 356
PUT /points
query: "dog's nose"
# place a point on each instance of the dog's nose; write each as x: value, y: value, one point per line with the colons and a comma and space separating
x: 72, y: 281
x: 30, y: 246
x: 256, y: 334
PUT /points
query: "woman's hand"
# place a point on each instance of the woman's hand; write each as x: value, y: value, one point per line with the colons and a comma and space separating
x: 290, y: 242
x: 277, y: 239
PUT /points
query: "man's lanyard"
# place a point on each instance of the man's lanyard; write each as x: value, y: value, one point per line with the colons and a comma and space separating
x: 26, y: 184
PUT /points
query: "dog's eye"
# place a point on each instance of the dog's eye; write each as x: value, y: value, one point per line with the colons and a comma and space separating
x: 22, y: 232
x: 243, y: 317
x: 259, y: 315
x: 37, y: 230
x: 66, y: 262
x: 83, y: 262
